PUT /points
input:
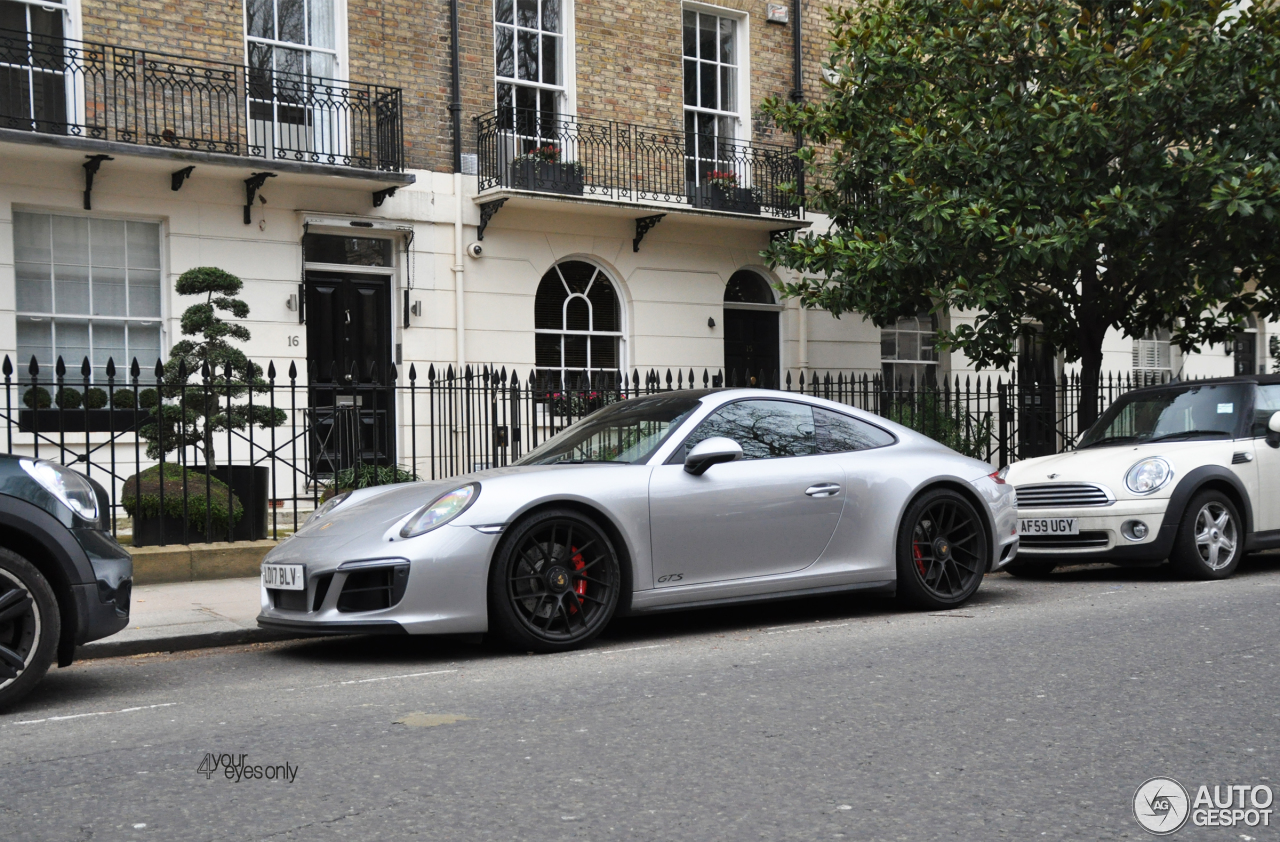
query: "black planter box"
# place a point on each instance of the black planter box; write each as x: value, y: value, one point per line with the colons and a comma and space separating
x: 249, y: 484
x: 732, y: 199
x: 546, y: 177
x: 75, y: 420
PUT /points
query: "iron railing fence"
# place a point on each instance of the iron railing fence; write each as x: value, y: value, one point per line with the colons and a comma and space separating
x: 61, y: 86
x: 547, y: 152
x: 272, y: 445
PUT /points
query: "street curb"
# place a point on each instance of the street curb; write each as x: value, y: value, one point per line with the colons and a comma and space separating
x: 181, y: 643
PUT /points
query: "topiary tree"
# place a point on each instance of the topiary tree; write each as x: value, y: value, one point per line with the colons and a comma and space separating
x: 202, y: 383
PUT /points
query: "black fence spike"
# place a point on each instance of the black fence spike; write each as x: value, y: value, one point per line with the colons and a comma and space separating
x: 7, y: 368
x: 86, y: 370
x: 60, y: 368
x: 159, y: 369
x: 33, y: 368
x: 182, y: 371
x: 271, y: 370
x: 111, y: 367
x: 293, y: 370
x: 413, y: 373
x: 135, y: 370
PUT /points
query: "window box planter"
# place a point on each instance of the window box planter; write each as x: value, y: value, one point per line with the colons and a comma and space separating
x: 546, y: 177
x: 78, y: 420
x: 731, y: 199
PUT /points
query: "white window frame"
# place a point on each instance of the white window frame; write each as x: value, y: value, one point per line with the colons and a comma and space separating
x: 925, y: 365
x: 742, y: 114
x: 1153, y: 355
x: 340, y: 42
x: 72, y: 30
x: 567, y: 60
x: 146, y: 367
x: 620, y: 333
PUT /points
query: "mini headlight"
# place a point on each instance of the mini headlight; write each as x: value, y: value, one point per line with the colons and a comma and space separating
x: 1148, y: 475
x: 73, y: 490
x: 329, y: 505
x: 443, y: 509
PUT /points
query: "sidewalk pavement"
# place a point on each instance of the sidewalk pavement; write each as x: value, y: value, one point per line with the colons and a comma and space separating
x: 187, y: 615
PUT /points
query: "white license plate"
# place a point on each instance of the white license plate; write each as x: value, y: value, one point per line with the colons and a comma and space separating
x: 284, y: 577
x: 1048, y: 526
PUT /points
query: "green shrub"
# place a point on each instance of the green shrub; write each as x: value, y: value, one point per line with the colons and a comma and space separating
x: 124, y: 399
x: 148, y: 398
x: 927, y: 413
x: 366, y: 476
x: 95, y: 398
x: 37, y: 398
x: 67, y: 398
x: 141, y: 497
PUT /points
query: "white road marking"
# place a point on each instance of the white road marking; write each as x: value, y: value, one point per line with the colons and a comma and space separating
x: 95, y: 713
x: 814, y: 627
x: 390, y: 677
x: 616, y: 651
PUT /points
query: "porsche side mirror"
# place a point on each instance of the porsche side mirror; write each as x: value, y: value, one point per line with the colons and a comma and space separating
x: 1273, y: 430
x: 712, y: 451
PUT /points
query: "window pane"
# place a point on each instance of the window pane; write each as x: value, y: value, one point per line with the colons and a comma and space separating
x: 108, y: 343
x: 707, y: 98
x: 690, y: 82
x: 707, y: 37
x: 550, y: 15
x: 728, y: 31
x: 838, y: 433
x: 888, y: 345
x: 35, y: 339
x: 291, y: 18
x: 71, y: 342
x: 577, y: 314
x: 504, y: 53
x: 546, y: 348
x: 107, y: 242
x: 728, y: 89
x: 527, y: 13
x: 257, y: 19
x: 691, y: 34
x: 550, y: 71
x: 34, y: 288
x: 908, y: 345
x: 71, y: 239
x: 144, y: 292
x: 71, y: 289
x: 575, y: 352
x: 604, y: 352
x: 144, y: 345
x: 322, y: 25
x: 31, y: 233
x: 144, y: 245
x: 764, y: 429
x: 109, y: 291
x: 527, y: 55
x: 502, y: 11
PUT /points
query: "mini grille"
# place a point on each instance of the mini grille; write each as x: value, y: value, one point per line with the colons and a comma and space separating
x: 1062, y: 495
x: 1083, y: 541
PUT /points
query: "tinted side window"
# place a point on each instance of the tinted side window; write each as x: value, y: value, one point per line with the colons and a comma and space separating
x: 1267, y: 404
x: 765, y: 429
x: 838, y: 433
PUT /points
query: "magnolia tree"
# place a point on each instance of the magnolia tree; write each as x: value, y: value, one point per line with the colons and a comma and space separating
x: 1077, y: 165
x: 206, y: 380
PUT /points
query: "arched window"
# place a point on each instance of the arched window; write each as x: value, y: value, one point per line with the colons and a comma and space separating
x: 577, y: 324
x: 751, y: 355
x: 907, y: 354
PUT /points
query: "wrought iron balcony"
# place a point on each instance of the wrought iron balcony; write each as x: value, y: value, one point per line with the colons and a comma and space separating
x: 58, y: 86
x: 558, y: 154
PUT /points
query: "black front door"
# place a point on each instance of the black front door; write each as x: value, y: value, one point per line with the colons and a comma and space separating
x: 1037, y: 397
x: 751, y: 347
x: 349, y: 360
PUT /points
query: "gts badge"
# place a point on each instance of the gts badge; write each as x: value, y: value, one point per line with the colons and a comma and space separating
x: 668, y: 580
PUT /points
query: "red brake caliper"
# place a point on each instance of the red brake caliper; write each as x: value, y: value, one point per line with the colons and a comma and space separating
x: 580, y: 586
x: 915, y: 551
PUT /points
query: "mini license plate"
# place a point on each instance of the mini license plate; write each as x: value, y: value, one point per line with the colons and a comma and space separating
x: 284, y: 577
x: 1048, y: 526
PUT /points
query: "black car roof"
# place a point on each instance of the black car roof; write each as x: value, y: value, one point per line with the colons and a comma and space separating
x: 1261, y: 379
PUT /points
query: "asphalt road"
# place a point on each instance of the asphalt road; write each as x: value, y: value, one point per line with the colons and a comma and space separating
x: 1032, y: 713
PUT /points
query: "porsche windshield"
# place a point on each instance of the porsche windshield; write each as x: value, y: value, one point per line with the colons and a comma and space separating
x: 624, y: 432
x: 1189, y: 413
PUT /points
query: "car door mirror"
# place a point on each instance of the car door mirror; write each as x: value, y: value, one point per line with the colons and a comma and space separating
x: 1273, y: 430
x: 710, y: 452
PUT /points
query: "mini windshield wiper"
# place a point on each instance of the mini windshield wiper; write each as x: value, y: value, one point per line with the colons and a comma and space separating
x: 1107, y: 440
x: 1188, y: 434
x: 585, y: 462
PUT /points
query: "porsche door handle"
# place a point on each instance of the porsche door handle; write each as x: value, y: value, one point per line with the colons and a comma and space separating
x: 823, y: 489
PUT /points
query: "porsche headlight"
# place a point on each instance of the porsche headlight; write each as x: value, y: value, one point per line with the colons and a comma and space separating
x: 443, y: 509
x: 73, y: 490
x: 329, y: 505
x: 1148, y: 475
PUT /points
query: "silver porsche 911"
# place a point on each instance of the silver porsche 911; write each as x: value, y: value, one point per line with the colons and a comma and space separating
x: 668, y: 501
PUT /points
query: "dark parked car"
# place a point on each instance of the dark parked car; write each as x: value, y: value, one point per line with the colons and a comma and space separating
x: 63, y: 579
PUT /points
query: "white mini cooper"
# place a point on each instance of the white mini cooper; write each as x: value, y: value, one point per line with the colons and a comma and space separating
x: 1188, y: 472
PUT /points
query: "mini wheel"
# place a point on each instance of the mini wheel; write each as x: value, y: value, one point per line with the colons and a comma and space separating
x: 29, y: 627
x: 554, y: 582
x: 942, y: 550
x: 1210, y: 538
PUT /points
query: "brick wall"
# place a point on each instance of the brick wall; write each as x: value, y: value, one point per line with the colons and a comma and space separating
x: 628, y: 55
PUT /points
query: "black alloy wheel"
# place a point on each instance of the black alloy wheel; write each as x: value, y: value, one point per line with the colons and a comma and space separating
x: 943, y: 550
x: 29, y: 627
x: 554, y: 583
